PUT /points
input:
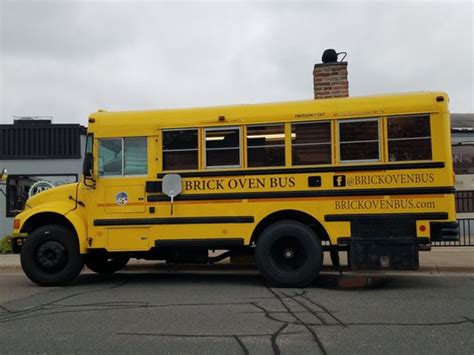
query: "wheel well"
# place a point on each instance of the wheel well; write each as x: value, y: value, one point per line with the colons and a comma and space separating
x: 45, y: 218
x: 292, y: 215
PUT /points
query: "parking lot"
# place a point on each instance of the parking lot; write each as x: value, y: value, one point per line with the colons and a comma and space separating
x: 231, y: 311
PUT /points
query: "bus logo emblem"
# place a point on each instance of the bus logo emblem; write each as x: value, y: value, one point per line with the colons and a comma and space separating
x: 339, y: 180
x: 121, y: 199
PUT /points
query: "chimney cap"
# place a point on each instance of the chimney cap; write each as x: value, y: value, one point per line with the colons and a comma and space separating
x: 330, y: 56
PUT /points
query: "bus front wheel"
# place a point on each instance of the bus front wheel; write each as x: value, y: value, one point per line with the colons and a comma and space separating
x: 289, y: 254
x: 50, y: 256
x: 103, y: 264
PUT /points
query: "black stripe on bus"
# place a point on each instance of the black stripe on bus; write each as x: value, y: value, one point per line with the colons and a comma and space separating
x: 416, y: 216
x: 172, y: 220
x: 319, y: 193
x: 324, y: 169
x: 207, y: 243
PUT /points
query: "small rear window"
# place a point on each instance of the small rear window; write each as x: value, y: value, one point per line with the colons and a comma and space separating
x: 409, y: 138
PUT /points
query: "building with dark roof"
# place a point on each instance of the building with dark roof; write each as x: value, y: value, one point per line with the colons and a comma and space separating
x: 38, y: 155
x: 462, y: 135
x: 462, y: 121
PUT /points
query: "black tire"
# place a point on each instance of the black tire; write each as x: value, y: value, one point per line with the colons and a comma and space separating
x: 106, y: 264
x: 289, y: 254
x: 50, y: 256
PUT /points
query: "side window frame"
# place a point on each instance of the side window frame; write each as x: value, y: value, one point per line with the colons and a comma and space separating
x: 122, y: 140
x: 145, y: 138
x: 249, y: 148
x: 100, y: 173
x: 429, y: 138
x: 330, y: 142
x: 163, y: 151
x: 379, y: 140
x: 204, y: 147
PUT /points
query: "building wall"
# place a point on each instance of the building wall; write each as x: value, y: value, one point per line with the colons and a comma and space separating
x: 462, y: 139
x: 36, y: 167
x: 463, y: 181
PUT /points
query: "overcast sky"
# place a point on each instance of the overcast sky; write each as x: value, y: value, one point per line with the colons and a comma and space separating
x: 67, y: 59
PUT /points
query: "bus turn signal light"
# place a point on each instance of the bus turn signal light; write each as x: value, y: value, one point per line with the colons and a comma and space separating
x: 16, y: 223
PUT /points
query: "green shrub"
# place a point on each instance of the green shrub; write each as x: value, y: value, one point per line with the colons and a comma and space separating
x: 5, y: 245
x: 5, y: 242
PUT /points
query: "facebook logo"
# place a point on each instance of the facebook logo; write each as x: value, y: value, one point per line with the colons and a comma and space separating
x: 339, y: 180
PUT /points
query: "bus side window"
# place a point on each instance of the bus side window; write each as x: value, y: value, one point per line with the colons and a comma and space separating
x: 113, y: 162
x: 409, y: 138
x: 180, y: 149
x: 135, y: 157
x: 311, y: 143
x: 359, y: 140
x: 266, y: 145
x: 222, y: 147
x: 110, y: 156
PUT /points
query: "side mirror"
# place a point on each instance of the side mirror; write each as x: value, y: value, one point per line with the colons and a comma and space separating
x: 87, y: 167
x: 172, y: 187
x: 3, y: 174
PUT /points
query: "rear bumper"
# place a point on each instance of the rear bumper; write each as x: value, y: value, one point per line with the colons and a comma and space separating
x: 384, y: 253
x: 444, y: 231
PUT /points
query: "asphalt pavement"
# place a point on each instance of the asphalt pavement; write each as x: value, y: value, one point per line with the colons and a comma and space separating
x: 233, y: 312
x: 152, y: 307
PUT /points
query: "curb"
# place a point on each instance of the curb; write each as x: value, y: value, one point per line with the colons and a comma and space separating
x: 148, y: 266
x: 446, y: 269
x: 5, y: 269
x: 451, y: 260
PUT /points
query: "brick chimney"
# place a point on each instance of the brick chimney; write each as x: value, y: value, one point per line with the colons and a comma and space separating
x: 330, y: 77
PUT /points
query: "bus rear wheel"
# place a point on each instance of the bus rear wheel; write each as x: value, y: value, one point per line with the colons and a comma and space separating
x: 289, y: 254
x: 106, y: 264
x: 50, y: 256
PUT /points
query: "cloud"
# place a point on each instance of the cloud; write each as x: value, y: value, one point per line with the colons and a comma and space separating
x: 65, y: 30
x: 67, y: 59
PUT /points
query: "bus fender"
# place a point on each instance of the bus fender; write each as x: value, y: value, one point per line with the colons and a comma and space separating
x: 81, y: 230
x: 61, y: 213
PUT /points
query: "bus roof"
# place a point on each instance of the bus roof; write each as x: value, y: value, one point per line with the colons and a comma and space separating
x: 144, y: 122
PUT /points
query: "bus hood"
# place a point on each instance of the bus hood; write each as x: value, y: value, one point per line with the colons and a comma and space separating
x: 64, y: 195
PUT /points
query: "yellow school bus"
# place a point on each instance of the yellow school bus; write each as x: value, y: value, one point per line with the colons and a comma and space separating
x: 284, y: 181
